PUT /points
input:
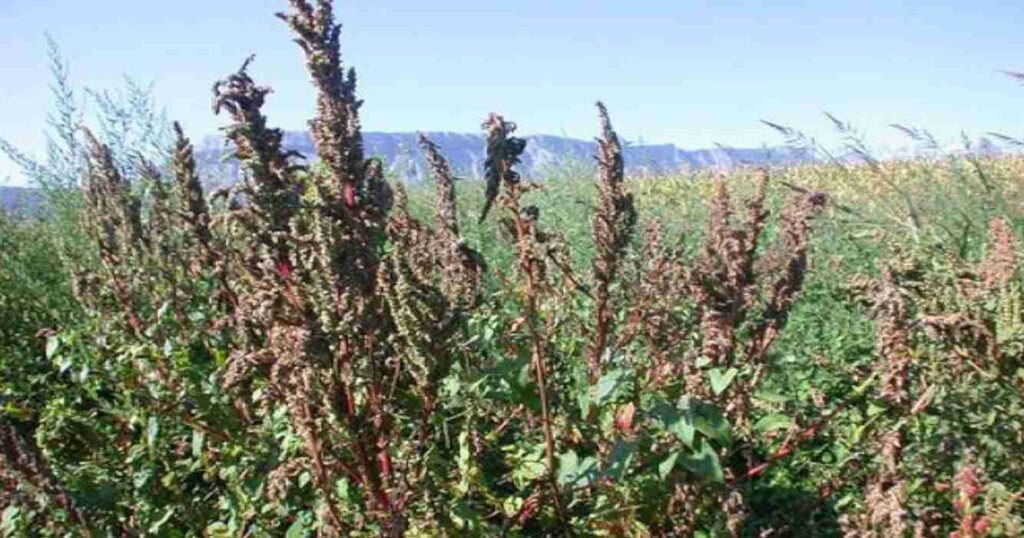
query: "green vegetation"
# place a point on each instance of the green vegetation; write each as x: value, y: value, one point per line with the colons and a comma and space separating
x: 823, y: 350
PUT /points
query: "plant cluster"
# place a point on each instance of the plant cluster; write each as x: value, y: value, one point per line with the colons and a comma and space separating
x: 306, y: 353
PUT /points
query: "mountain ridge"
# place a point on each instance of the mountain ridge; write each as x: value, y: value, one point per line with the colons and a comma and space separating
x: 17, y: 200
x: 544, y: 155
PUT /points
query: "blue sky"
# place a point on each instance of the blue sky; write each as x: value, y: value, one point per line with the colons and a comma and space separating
x: 693, y: 73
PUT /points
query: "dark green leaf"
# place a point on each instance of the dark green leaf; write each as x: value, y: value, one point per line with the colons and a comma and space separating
x: 704, y: 463
x: 620, y: 459
x: 605, y: 387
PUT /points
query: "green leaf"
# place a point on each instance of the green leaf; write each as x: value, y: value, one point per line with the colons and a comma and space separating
x: 217, y: 530
x: 583, y: 392
x: 531, y: 470
x: 685, y: 430
x: 620, y: 459
x: 874, y: 409
x: 298, y: 529
x: 511, y: 506
x: 666, y: 466
x: 774, y: 421
x: 220, y: 357
x: 770, y: 397
x: 693, y: 415
x: 844, y: 501
x: 341, y: 487
x: 606, y: 386
x: 721, y: 379
x: 524, y: 375
x: 708, y: 419
x: 530, y: 466
x: 161, y: 312
x: 572, y: 471
x: 155, y: 527
x: 704, y: 463
x: 152, y: 431
x: 12, y: 410
x: 465, y: 463
x: 568, y: 464
x: 10, y: 520
x: 465, y: 516
x: 198, y: 437
x: 52, y: 346
x: 676, y: 421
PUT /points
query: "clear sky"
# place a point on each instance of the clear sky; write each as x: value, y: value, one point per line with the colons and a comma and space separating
x: 693, y: 73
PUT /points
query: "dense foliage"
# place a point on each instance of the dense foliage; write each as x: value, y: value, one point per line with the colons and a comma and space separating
x: 824, y: 350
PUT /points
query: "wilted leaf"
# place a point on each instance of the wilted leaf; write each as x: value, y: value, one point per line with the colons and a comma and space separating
x: 624, y: 418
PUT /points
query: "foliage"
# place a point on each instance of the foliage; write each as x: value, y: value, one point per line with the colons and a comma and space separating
x: 317, y: 351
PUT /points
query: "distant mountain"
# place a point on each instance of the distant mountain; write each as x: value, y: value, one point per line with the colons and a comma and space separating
x: 19, y: 200
x: 544, y: 154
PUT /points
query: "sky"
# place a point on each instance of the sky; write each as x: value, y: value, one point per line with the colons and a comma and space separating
x: 691, y: 73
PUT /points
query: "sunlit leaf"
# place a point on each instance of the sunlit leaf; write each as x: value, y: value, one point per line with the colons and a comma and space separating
x: 774, y: 421
x: 721, y: 379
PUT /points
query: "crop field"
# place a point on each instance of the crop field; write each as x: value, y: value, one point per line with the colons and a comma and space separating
x: 829, y: 349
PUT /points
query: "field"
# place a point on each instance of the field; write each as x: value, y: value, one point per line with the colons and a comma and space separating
x: 823, y: 350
